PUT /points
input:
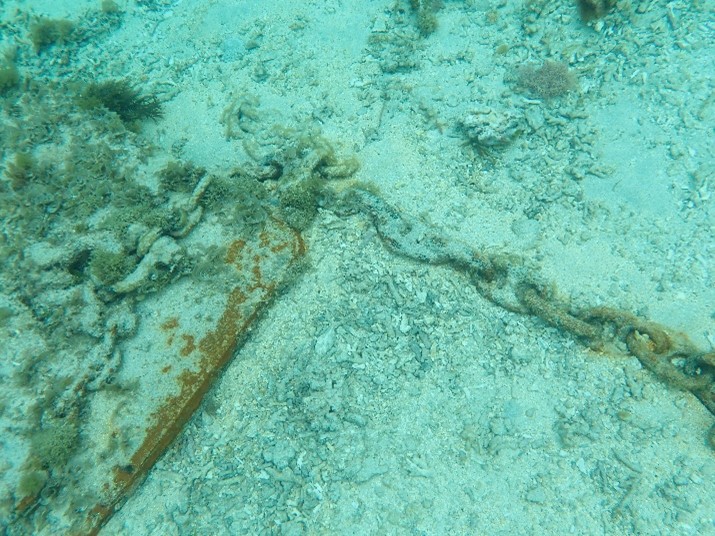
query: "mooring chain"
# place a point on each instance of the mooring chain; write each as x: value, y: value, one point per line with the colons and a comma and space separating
x: 508, y: 282
x: 671, y: 357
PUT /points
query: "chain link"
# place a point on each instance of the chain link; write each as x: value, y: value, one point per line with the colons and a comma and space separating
x: 507, y: 281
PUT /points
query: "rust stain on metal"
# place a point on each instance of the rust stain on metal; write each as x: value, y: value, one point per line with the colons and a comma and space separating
x: 213, y: 351
x: 189, y: 345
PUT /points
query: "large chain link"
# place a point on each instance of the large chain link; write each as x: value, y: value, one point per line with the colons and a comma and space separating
x: 507, y: 281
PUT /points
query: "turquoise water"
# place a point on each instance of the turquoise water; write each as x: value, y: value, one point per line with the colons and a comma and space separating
x: 382, y: 267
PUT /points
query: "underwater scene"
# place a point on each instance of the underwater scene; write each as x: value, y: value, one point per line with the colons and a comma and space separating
x: 368, y: 267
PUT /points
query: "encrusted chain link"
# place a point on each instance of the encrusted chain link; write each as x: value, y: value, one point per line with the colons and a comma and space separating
x: 508, y: 282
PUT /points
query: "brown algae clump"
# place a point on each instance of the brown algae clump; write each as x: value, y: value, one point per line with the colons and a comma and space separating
x: 552, y: 79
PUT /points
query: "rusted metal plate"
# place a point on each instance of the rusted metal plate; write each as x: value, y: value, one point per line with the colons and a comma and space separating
x: 185, y: 335
x: 190, y: 331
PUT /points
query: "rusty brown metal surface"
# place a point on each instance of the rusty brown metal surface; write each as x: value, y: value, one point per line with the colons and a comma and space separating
x: 198, y: 349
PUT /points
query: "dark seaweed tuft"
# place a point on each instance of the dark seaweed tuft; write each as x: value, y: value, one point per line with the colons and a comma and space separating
x: 120, y: 97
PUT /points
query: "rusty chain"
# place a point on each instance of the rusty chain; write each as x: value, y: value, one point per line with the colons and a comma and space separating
x: 508, y: 282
